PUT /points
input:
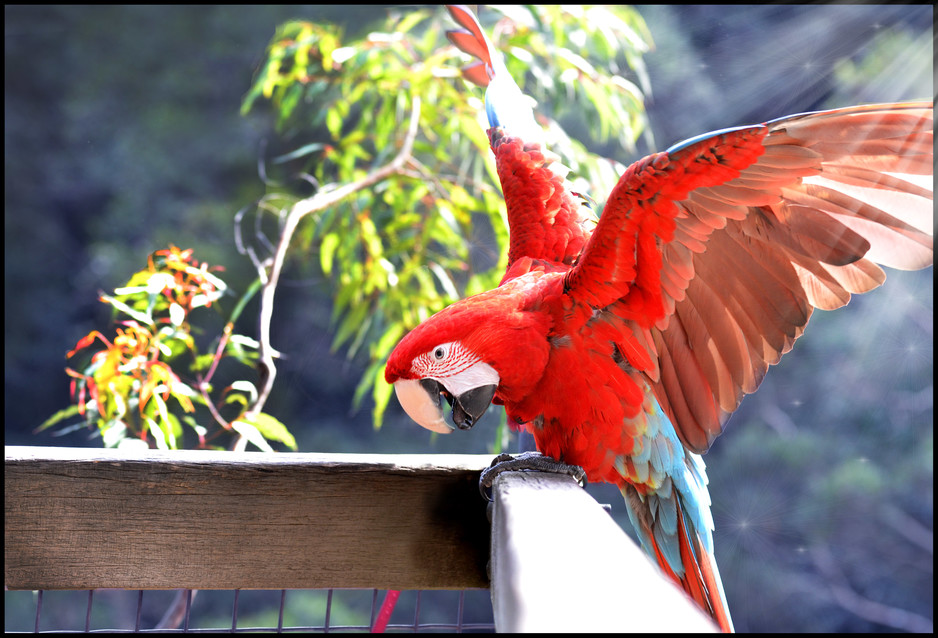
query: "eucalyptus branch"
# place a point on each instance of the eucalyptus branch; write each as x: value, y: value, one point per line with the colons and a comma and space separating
x: 204, y: 382
x: 322, y: 200
x: 203, y: 391
x: 219, y: 352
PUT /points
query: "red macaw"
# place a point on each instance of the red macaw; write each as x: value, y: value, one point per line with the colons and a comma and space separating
x: 623, y: 345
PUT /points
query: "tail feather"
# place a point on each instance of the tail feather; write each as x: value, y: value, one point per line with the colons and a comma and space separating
x: 710, y: 575
x: 665, y: 490
x: 472, y: 40
x: 702, y: 578
x: 465, y: 18
x: 505, y: 105
x: 680, y: 550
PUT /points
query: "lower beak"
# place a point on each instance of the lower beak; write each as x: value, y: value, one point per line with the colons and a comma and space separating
x: 471, y: 405
x: 421, y: 399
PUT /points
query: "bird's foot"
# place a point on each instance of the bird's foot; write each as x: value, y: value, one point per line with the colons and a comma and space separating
x: 526, y: 461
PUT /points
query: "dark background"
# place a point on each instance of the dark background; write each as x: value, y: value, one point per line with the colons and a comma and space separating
x: 123, y: 134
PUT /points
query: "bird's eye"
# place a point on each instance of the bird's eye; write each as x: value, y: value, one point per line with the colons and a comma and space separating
x: 440, y: 353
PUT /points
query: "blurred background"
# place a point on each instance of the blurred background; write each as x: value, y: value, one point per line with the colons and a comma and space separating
x: 123, y: 134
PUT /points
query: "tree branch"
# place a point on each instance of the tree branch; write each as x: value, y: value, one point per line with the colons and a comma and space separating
x: 847, y: 598
x: 322, y: 200
x: 909, y: 528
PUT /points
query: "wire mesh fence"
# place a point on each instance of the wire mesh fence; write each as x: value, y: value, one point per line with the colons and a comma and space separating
x: 273, y: 611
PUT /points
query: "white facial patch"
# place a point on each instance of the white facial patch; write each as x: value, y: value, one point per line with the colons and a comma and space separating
x: 474, y: 376
x: 455, y: 367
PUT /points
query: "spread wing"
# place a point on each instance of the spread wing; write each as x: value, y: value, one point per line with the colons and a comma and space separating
x: 719, y: 249
x: 546, y: 220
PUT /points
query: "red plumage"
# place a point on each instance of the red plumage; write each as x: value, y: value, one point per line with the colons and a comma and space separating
x: 624, y: 348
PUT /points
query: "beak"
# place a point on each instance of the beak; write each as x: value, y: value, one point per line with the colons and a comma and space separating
x: 422, y: 400
x: 471, y: 405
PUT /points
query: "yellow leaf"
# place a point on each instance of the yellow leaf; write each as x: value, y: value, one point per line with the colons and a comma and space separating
x: 327, y: 251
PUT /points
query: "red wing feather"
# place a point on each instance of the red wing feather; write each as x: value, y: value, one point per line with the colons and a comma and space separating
x: 642, y: 204
x: 546, y: 221
x: 724, y: 245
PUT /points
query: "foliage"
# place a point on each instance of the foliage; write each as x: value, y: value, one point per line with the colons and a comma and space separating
x: 132, y: 390
x: 435, y: 231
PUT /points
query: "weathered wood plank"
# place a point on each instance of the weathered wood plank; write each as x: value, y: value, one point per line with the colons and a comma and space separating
x: 560, y: 563
x: 87, y: 518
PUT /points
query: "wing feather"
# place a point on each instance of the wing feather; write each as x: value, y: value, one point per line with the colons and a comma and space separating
x: 848, y: 199
x: 766, y: 332
x: 682, y: 382
x: 753, y: 229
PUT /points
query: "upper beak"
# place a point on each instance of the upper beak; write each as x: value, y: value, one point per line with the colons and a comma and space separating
x: 421, y: 399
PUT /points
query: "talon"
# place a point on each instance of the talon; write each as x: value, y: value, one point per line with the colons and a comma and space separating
x: 501, y: 458
x: 526, y: 461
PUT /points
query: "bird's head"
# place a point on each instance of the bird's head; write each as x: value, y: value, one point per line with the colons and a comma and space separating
x: 446, y: 370
x: 464, y: 354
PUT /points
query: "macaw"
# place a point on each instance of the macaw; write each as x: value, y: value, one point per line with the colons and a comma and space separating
x: 624, y: 344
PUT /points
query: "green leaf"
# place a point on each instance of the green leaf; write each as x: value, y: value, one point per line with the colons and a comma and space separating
x: 245, y: 298
x: 179, y: 389
x: 242, y: 349
x: 158, y: 281
x: 300, y: 152
x: 388, y: 340
x: 246, y: 387
x: 350, y: 325
x: 445, y: 280
x: 410, y: 19
x: 158, y: 435
x: 244, y: 342
x: 237, y: 398
x: 177, y: 315
x: 62, y: 414
x: 334, y: 123
x: 163, y: 427
x: 251, y: 433
x: 203, y: 362
x: 271, y: 429
x: 113, y: 432
x: 382, y: 395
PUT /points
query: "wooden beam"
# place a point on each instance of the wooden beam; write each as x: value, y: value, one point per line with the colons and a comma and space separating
x: 80, y: 518
x: 560, y: 563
